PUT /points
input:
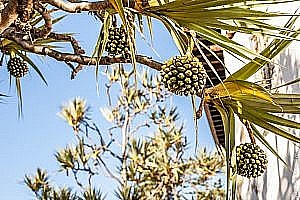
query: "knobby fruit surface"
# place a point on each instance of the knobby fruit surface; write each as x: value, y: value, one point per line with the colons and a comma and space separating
x: 184, y: 75
x: 251, y: 160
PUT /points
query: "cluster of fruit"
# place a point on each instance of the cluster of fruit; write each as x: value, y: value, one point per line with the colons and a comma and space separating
x: 251, y: 160
x: 117, y: 43
x: 17, y: 67
x: 184, y: 75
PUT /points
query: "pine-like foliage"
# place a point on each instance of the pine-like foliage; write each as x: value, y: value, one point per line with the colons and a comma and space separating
x: 154, y: 167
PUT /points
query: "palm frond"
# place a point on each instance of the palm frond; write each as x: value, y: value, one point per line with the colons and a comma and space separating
x: 287, y: 99
x: 102, y: 40
x: 244, y: 108
x: 238, y: 89
x: 160, y: 5
x: 265, y: 124
x: 150, y: 27
x: 28, y: 60
x: 205, y: 17
x: 273, y: 49
x: 20, y: 98
x: 288, y: 83
x: 253, y: 104
x: 262, y: 139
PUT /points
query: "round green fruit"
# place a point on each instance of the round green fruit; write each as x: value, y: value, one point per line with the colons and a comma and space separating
x: 251, y: 160
x: 17, y: 67
x: 184, y: 75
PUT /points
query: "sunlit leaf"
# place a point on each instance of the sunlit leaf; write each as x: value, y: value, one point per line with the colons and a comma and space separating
x: 238, y: 89
x: 265, y: 124
x: 19, y: 94
x: 262, y: 139
x: 276, y: 119
x: 101, y: 42
x: 150, y: 27
x: 287, y: 84
x: 273, y: 49
x: 177, y: 34
x: 227, y: 44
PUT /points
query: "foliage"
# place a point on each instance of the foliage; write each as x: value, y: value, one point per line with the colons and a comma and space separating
x: 154, y: 167
x: 42, y: 189
x: 143, y: 99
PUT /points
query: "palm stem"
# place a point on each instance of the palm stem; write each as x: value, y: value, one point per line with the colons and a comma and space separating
x: 229, y: 130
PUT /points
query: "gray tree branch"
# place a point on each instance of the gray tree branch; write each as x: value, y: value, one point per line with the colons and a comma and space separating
x: 79, y: 6
x: 75, y: 57
x: 9, y: 15
x: 48, y: 21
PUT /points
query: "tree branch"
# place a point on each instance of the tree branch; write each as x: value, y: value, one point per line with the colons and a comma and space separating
x: 68, y: 38
x: 76, y: 58
x: 81, y: 6
x: 48, y: 21
x: 9, y: 15
x: 24, y: 9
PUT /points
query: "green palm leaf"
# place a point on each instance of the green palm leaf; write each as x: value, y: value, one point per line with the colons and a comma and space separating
x: 28, y: 60
x: 265, y: 106
x: 287, y: 99
x: 118, y: 6
x: 283, y: 103
x: 262, y: 139
x: 157, y: 5
x: 273, y: 49
x: 239, y: 90
x: 150, y: 27
x: 276, y: 120
x: 205, y: 16
x: 273, y: 129
x: 179, y: 37
x: 263, y: 123
x: 227, y: 44
x: 19, y: 94
x: 288, y: 83
x: 102, y: 40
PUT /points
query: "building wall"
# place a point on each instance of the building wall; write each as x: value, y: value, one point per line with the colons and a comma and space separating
x: 279, y: 182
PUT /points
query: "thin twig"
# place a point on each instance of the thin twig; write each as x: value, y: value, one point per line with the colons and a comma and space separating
x: 109, y: 172
x: 249, y: 129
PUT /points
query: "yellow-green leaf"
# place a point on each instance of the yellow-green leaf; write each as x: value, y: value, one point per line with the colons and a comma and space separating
x: 262, y: 139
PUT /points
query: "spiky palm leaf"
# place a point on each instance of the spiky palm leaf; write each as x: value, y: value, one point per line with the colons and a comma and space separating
x: 254, y: 105
x: 14, y: 48
x: 234, y: 95
x: 205, y: 17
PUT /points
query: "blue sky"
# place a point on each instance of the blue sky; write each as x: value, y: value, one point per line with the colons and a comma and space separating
x: 31, y: 142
